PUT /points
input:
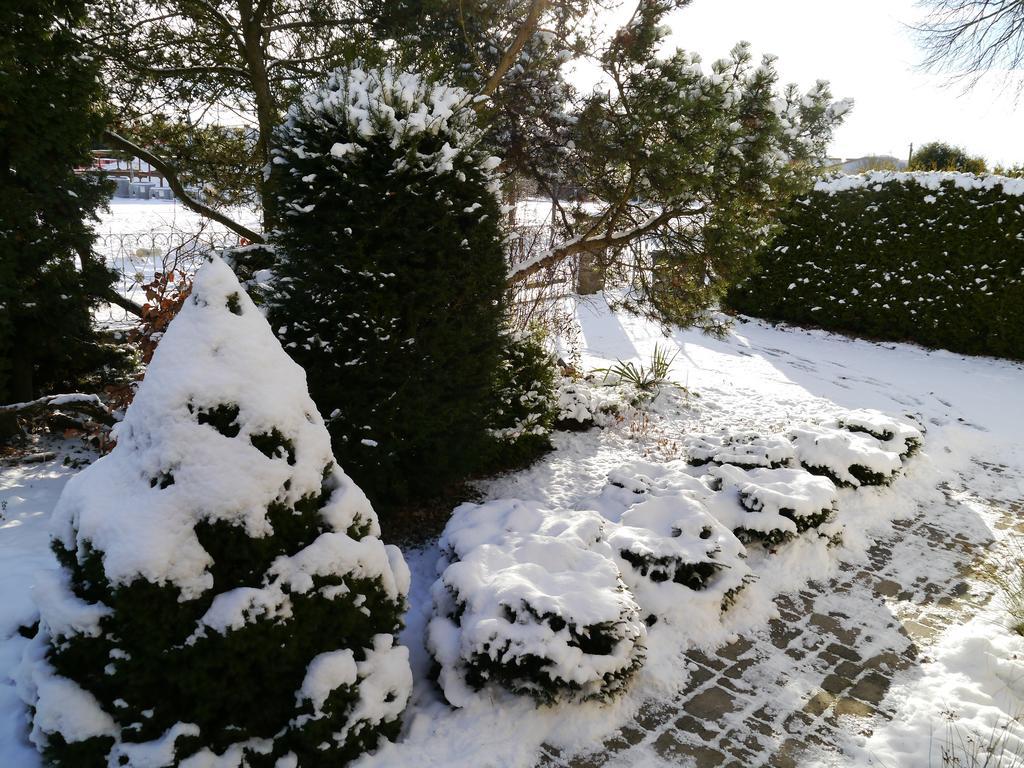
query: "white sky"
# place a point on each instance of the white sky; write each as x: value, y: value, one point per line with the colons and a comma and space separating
x: 864, y: 50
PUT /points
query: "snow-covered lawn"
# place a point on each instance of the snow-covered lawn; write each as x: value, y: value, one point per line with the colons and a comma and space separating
x: 154, y: 217
x: 759, y: 379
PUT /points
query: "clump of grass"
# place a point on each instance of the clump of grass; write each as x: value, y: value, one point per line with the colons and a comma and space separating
x: 644, y: 379
x: 971, y: 749
x: 1006, y: 572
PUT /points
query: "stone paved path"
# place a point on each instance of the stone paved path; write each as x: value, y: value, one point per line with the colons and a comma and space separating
x: 825, y: 674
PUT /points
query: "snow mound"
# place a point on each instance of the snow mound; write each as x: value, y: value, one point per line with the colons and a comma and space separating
x: 742, y: 449
x: 531, y: 600
x: 900, y: 436
x: 677, y: 558
x: 579, y: 405
x: 847, y: 458
x: 774, y: 504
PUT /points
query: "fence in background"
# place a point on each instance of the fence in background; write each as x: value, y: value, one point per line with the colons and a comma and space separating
x: 138, y: 257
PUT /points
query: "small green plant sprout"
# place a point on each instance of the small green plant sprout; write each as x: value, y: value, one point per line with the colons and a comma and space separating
x: 646, y: 380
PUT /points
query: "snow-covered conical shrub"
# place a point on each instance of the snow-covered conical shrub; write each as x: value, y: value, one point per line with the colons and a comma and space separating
x: 223, y: 589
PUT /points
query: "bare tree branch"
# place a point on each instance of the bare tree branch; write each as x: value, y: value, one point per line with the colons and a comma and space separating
x: 590, y: 243
x: 87, y: 405
x: 172, y: 179
x: 969, y: 38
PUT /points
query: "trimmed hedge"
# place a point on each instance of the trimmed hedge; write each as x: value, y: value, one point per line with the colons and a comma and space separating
x: 390, y: 276
x: 933, y: 258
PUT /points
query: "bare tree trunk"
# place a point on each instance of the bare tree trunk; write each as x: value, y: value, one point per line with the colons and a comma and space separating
x: 266, y: 111
x: 511, y: 55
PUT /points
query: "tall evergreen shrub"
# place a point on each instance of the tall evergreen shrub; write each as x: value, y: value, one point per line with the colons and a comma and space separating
x: 223, y: 596
x: 934, y: 258
x: 390, y: 274
x: 50, y: 116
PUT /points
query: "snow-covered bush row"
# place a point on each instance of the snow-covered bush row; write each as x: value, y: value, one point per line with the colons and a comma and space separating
x: 936, y: 258
x: 530, y: 599
x: 224, y: 597
x: 861, y: 447
x: 535, y: 600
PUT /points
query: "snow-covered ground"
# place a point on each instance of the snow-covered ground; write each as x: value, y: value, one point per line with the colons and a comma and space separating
x: 758, y: 378
x: 145, y: 217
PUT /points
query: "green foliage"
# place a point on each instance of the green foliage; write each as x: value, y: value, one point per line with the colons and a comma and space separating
x: 48, y: 122
x: 693, y: 159
x: 898, y: 261
x: 644, y: 379
x: 1013, y: 171
x: 939, y: 156
x: 221, y: 682
x: 175, y: 68
x: 390, y: 278
x: 523, y: 411
x: 228, y: 592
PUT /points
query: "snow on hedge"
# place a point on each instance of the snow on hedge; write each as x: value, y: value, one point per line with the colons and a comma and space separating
x: 933, y: 258
x: 929, y: 180
x: 898, y: 435
x: 774, y: 505
x: 531, y: 599
x: 847, y: 458
x: 213, y: 563
x: 744, y: 449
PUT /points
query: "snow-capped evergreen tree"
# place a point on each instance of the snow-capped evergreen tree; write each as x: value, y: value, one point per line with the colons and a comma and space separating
x: 391, y: 275
x: 49, y: 280
x: 223, y: 589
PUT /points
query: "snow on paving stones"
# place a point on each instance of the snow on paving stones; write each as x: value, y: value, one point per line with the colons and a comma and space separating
x: 749, y: 689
